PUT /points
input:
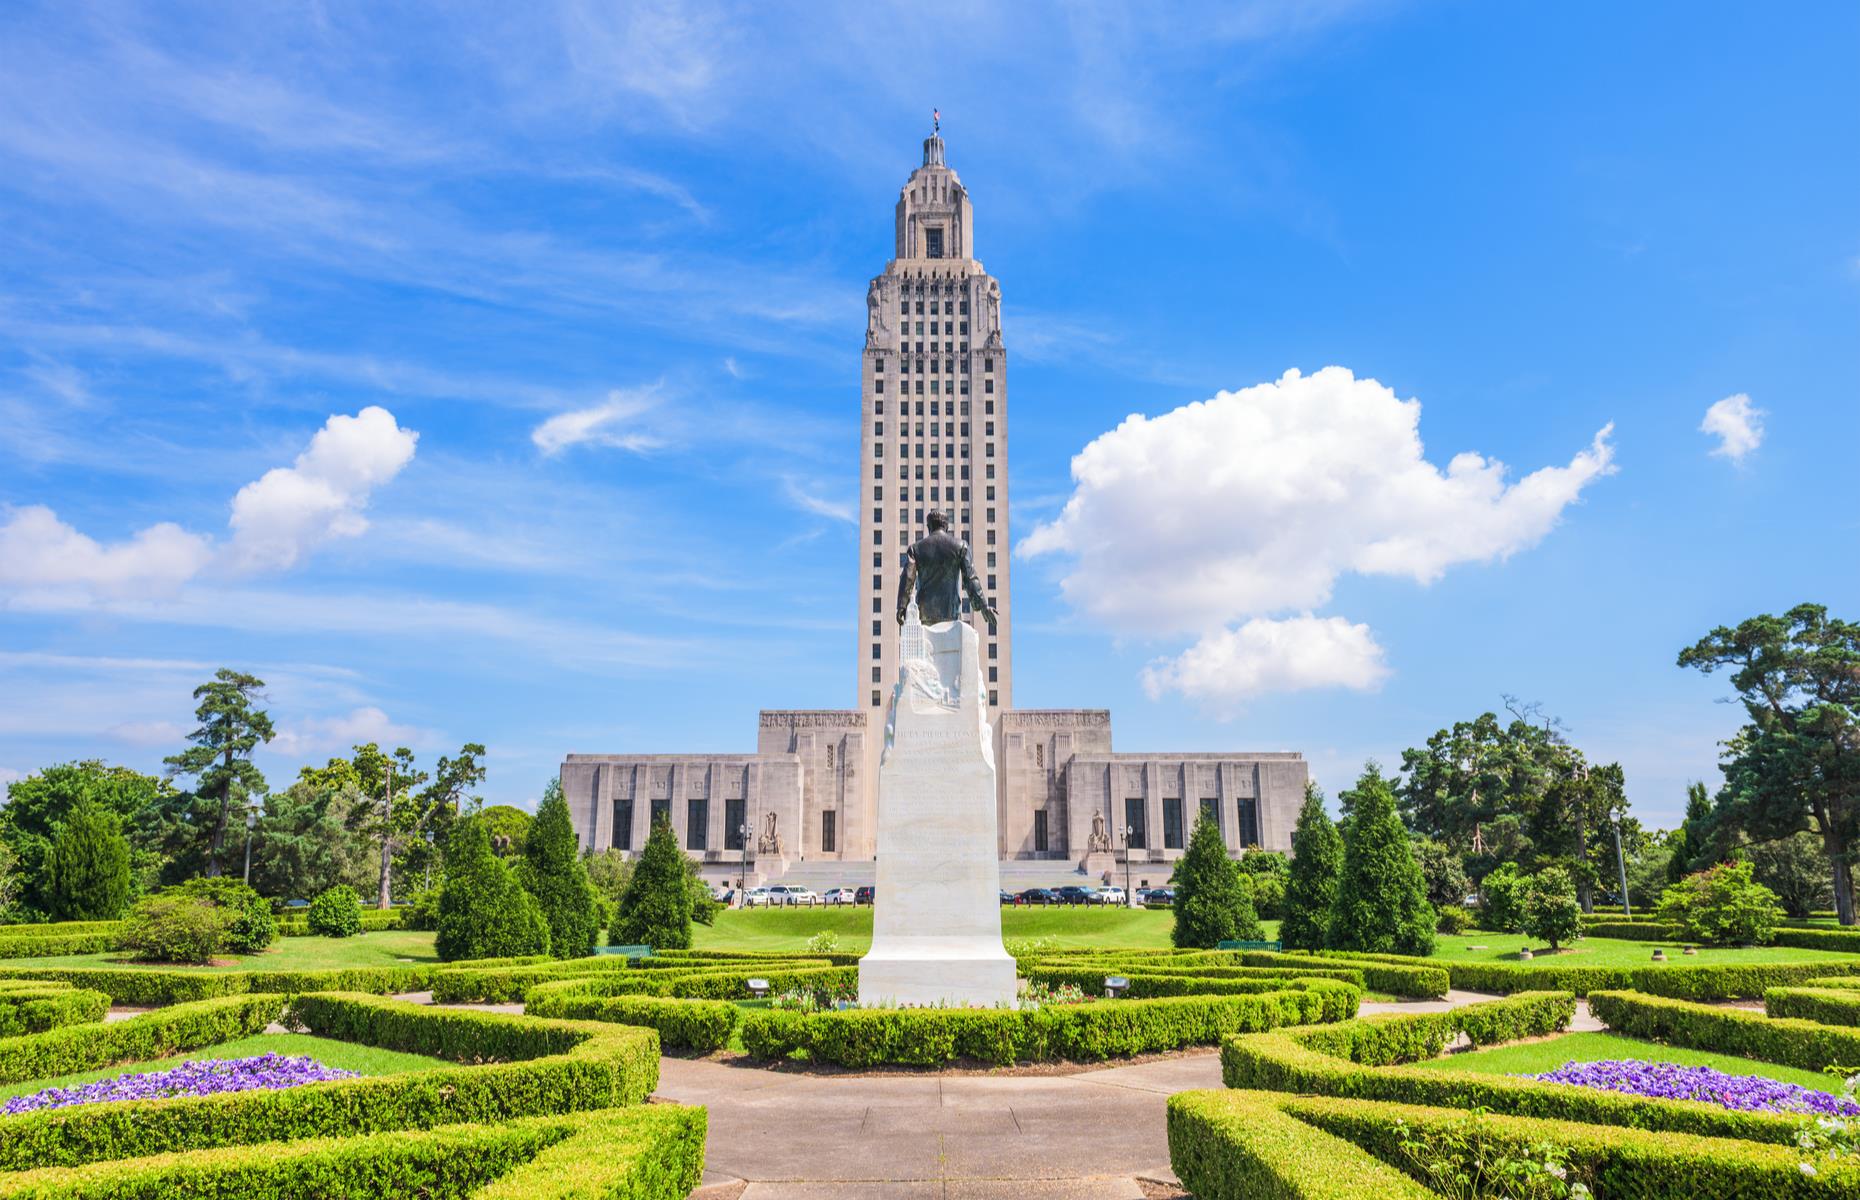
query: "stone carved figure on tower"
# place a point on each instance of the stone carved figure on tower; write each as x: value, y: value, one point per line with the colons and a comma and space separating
x: 770, y: 841
x: 875, y: 315
x: 937, y: 570
x: 1100, y: 840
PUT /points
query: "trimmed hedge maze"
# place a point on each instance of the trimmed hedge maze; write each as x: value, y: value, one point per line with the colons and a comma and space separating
x: 1334, y: 1112
x: 34, y: 1006
x: 533, y: 1107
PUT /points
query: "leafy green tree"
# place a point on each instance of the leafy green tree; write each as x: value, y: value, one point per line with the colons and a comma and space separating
x: 656, y: 908
x: 1212, y: 903
x: 1648, y: 857
x: 507, y: 826
x: 1723, y: 906
x: 249, y: 925
x: 1311, y: 883
x: 221, y: 757
x: 1381, y: 895
x: 609, y: 871
x: 307, y: 842
x: 1690, y: 840
x: 1501, y: 899
x: 1551, y: 910
x: 1796, y: 764
x: 554, y: 874
x: 39, y: 803
x: 1266, y: 871
x: 336, y: 913
x: 87, y: 871
x: 483, y: 911
x: 1797, y: 870
x: 426, y: 822
x: 1447, y: 883
x: 175, y: 928
x: 9, y: 880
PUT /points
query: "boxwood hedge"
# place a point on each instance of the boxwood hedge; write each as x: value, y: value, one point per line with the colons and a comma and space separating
x: 1242, y: 1145
x: 701, y: 1026
x: 1688, y: 981
x: 71, y: 1048
x: 715, y: 984
x: 1829, y: 1006
x: 34, y: 1006
x: 1792, y: 1042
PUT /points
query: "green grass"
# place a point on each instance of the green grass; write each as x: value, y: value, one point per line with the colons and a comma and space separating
x: 1535, y: 1058
x: 789, y: 928
x: 345, y: 1056
x: 385, y: 949
x: 1609, y: 952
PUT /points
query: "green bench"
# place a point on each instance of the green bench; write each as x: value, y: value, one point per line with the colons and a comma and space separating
x: 1250, y: 946
x: 626, y: 951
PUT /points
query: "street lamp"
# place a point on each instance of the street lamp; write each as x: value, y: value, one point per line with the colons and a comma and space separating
x: 428, y: 834
x: 742, y: 884
x: 1129, y: 897
x: 251, y: 823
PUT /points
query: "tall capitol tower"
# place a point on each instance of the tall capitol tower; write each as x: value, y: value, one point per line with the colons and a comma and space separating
x: 933, y: 402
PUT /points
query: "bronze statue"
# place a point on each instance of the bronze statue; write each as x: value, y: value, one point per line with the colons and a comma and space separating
x: 934, y: 569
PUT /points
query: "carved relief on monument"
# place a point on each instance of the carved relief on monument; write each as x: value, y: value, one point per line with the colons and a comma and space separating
x: 770, y: 841
x: 775, y: 719
x: 1099, y: 842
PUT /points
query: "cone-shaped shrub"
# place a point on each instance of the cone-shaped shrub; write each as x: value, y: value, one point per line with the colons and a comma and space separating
x: 87, y: 871
x: 554, y: 873
x: 655, y: 909
x: 1311, y: 888
x: 1381, y: 894
x: 1212, y: 903
x: 483, y: 911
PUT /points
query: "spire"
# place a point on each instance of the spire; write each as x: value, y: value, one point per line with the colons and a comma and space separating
x: 933, y: 145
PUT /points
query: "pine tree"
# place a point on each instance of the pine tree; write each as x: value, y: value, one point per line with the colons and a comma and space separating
x: 1212, y: 903
x: 554, y: 873
x: 655, y: 909
x: 87, y: 871
x: 1311, y: 891
x: 1689, y: 840
x: 483, y: 911
x: 1381, y: 894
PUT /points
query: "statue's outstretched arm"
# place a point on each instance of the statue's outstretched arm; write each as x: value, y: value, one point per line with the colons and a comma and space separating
x: 907, y: 583
x: 972, y: 584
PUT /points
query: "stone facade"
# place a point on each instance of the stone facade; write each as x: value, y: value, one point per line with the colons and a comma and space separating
x: 933, y: 414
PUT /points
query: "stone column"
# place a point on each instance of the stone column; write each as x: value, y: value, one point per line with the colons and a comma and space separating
x: 676, y: 791
x: 601, y: 822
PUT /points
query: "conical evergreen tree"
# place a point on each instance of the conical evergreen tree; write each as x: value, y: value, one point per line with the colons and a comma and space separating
x: 553, y: 872
x: 1381, y: 901
x: 1311, y: 889
x: 655, y: 909
x: 1212, y: 903
x: 483, y: 911
x: 1689, y: 841
x: 87, y: 870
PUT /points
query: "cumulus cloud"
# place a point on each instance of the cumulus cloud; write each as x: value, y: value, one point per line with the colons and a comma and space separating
x: 148, y: 733
x: 1737, y: 424
x: 1253, y: 503
x: 600, y: 425
x: 1263, y: 656
x: 276, y: 520
x: 320, y: 735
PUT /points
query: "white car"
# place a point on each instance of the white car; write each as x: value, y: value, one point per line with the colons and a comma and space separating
x: 839, y: 895
x: 782, y: 893
x: 755, y: 896
x: 1111, y: 895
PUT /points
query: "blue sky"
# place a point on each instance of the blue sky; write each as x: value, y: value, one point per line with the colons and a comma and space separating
x: 601, y: 268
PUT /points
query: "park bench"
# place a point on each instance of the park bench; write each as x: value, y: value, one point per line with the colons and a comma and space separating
x: 1251, y: 946
x: 628, y: 951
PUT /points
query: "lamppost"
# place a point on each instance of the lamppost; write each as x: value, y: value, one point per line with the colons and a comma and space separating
x: 742, y: 884
x: 428, y: 834
x: 251, y: 823
x: 1129, y: 898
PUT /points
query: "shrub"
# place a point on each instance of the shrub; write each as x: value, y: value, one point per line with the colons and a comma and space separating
x: 1829, y: 1006
x: 483, y: 912
x: 1502, y: 899
x: 1212, y: 903
x: 1452, y: 920
x: 32, y: 1006
x: 1381, y: 897
x: 701, y: 1026
x: 1551, y: 911
x: 87, y: 868
x: 66, y: 1050
x: 176, y: 929
x: 1722, y: 906
x: 655, y: 909
x: 1809, y: 1045
x: 1267, y: 871
x: 250, y: 926
x: 1311, y: 882
x: 554, y: 874
x: 336, y: 913
x: 1240, y: 1145
x: 422, y: 910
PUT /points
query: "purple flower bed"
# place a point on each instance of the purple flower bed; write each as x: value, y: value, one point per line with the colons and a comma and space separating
x: 202, y: 1078
x: 1669, y: 1081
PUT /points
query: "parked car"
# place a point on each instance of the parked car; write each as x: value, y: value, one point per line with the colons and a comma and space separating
x: 1110, y: 895
x: 785, y: 893
x: 1038, y: 896
x: 1008, y: 897
x: 865, y: 893
x: 755, y: 896
x: 840, y: 895
x: 1161, y: 895
x: 1072, y: 893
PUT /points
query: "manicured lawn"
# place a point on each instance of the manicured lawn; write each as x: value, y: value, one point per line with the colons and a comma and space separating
x: 788, y: 929
x: 385, y: 949
x: 1608, y: 952
x: 344, y: 1056
x: 1535, y: 1058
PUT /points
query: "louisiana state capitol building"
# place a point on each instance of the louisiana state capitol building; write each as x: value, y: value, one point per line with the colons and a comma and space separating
x: 933, y: 415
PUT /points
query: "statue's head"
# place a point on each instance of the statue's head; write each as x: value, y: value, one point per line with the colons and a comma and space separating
x: 937, y: 521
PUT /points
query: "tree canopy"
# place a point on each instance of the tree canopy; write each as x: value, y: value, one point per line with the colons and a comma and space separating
x: 1311, y: 887
x: 220, y: 759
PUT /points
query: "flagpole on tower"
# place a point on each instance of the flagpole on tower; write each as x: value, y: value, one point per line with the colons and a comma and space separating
x: 936, y: 121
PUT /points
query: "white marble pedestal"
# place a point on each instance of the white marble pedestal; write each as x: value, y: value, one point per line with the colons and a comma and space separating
x: 936, y: 929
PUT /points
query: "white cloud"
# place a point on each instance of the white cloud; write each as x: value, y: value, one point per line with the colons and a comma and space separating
x: 149, y: 733
x: 597, y: 425
x: 838, y: 510
x: 275, y: 520
x: 289, y: 511
x: 321, y: 735
x: 38, y: 550
x: 1737, y: 424
x: 1253, y: 503
x: 1264, y: 656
